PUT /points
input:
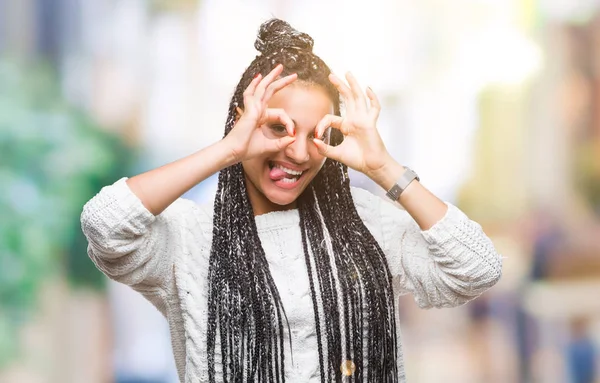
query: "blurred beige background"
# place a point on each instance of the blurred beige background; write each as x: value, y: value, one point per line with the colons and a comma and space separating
x: 496, y: 103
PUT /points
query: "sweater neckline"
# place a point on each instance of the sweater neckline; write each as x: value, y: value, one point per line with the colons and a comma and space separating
x: 277, y: 219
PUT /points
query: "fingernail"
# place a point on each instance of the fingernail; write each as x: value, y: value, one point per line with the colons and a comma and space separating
x: 256, y: 76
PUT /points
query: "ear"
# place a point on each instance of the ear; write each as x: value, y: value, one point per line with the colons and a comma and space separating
x: 239, y: 113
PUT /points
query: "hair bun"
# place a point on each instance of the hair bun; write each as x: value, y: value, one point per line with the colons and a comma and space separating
x: 277, y: 34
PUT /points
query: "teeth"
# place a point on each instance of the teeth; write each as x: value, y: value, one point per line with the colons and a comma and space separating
x: 289, y: 171
x: 288, y: 180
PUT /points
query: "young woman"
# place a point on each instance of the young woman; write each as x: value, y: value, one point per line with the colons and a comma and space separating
x: 293, y: 275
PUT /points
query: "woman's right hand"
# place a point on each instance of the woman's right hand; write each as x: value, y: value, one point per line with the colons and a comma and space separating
x: 246, y: 139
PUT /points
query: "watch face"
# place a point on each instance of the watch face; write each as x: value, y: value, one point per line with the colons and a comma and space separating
x: 394, y: 192
x: 407, y: 177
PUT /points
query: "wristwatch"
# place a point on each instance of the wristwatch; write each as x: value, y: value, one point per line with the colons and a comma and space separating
x: 407, y: 177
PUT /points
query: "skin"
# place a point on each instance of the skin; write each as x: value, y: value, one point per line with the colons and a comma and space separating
x: 305, y: 105
x: 362, y: 150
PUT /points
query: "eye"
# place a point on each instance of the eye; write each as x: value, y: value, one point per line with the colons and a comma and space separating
x: 278, y: 128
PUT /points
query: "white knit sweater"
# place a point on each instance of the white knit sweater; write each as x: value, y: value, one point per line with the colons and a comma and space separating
x: 166, y: 259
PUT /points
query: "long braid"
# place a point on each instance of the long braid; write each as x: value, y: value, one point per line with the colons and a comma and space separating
x: 365, y: 265
x: 347, y: 270
x: 313, y: 235
x: 304, y: 222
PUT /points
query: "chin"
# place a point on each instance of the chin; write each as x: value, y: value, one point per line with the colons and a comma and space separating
x: 286, y: 191
x: 278, y: 182
x: 281, y: 199
x: 281, y: 196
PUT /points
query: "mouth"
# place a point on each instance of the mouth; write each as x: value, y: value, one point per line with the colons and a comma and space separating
x: 283, y: 176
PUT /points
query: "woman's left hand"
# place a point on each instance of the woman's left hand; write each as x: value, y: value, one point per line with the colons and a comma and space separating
x: 362, y: 149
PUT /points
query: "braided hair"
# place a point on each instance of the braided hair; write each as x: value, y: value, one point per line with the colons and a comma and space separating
x: 350, y: 282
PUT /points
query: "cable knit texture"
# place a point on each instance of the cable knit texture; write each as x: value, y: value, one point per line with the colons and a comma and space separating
x: 165, y: 258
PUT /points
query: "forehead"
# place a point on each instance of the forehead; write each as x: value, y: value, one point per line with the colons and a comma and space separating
x: 305, y: 104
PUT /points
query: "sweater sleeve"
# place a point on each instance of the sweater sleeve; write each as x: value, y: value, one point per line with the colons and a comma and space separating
x: 448, y: 265
x: 132, y: 246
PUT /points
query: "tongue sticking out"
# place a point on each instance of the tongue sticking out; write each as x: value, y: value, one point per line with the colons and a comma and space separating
x: 277, y: 174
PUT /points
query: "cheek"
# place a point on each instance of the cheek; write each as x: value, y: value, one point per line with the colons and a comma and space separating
x: 318, y: 161
x: 252, y: 168
x: 313, y: 152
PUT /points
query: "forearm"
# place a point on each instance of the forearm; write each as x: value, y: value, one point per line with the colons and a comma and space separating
x: 425, y: 208
x: 160, y: 187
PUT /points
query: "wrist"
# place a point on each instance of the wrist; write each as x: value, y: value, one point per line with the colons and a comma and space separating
x: 231, y: 154
x: 387, y: 175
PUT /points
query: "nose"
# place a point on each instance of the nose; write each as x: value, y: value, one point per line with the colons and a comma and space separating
x: 298, y: 150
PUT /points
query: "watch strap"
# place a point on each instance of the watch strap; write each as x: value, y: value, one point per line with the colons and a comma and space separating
x: 407, y: 177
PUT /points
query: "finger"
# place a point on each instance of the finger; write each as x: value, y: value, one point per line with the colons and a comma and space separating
x: 265, y: 82
x: 276, y: 86
x: 342, y: 88
x: 375, y: 104
x: 279, y: 115
x: 356, y: 89
x: 279, y: 144
x: 328, y: 151
x: 251, y: 88
x: 330, y: 120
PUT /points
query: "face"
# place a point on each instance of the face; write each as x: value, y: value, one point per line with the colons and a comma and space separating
x: 274, y: 181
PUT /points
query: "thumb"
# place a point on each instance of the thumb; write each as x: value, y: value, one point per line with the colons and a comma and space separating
x: 328, y: 151
x: 279, y: 144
